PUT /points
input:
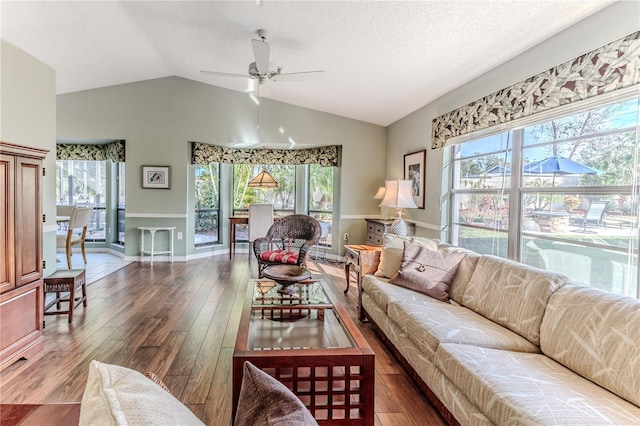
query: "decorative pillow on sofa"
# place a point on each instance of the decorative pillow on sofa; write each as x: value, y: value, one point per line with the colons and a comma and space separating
x: 265, y: 401
x: 427, y: 271
x: 117, y: 395
x: 392, y: 249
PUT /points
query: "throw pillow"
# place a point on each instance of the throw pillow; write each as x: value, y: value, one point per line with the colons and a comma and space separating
x: 392, y: 249
x: 117, y: 395
x: 427, y: 271
x: 265, y: 401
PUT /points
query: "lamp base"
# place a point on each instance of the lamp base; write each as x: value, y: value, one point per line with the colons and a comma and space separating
x: 399, y: 227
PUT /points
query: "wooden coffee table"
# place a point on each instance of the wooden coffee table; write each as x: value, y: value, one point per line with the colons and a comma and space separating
x: 310, y: 344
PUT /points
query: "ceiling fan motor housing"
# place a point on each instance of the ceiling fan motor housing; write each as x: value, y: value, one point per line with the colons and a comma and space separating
x: 255, y: 74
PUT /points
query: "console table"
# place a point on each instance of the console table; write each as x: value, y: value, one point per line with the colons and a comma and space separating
x: 152, y: 251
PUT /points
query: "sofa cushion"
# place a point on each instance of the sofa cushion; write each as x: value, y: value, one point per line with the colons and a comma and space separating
x: 512, y: 294
x: 264, y: 400
x: 463, y: 276
x: 117, y: 395
x: 596, y: 334
x: 430, y: 324
x: 524, y: 388
x: 427, y: 271
x: 382, y: 292
x: 392, y: 249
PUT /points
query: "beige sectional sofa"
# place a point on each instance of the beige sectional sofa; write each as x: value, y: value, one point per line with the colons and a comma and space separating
x: 514, y: 345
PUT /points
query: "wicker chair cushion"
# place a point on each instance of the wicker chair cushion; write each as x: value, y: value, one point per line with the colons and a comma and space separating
x: 282, y: 256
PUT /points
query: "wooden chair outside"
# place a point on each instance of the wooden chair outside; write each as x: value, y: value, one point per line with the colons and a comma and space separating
x: 287, y: 242
x: 76, y: 232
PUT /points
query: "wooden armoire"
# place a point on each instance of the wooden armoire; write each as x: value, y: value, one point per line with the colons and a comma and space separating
x: 21, y: 221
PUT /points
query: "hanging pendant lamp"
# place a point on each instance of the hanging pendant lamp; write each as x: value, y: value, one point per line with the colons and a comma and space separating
x: 263, y: 180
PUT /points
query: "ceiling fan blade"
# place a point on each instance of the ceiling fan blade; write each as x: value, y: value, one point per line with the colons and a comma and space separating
x: 224, y: 74
x: 261, y: 53
x: 298, y: 76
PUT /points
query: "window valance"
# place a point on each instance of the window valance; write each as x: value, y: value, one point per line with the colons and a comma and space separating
x: 204, y: 154
x: 114, y: 151
x: 604, y: 70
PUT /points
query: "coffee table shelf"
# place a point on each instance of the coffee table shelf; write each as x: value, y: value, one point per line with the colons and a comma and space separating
x: 311, y: 345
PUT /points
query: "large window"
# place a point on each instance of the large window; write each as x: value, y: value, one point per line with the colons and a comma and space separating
x: 321, y: 200
x: 561, y: 194
x: 283, y: 197
x: 84, y: 183
x: 120, y: 211
x: 207, y: 199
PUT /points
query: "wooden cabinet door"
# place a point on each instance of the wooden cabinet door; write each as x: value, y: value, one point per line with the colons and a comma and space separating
x: 7, y: 269
x: 28, y: 221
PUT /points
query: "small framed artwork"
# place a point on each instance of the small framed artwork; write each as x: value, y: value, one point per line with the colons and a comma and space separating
x: 414, y: 171
x: 157, y: 177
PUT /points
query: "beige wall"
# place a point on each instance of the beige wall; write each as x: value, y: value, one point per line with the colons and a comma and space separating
x: 158, y: 118
x: 413, y: 132
x: 28, y: 117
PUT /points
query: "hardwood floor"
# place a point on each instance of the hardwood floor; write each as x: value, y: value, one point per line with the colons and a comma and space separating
x: 180, y: 321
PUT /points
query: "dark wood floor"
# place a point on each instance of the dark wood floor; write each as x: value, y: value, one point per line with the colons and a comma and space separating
x: 180, y: 321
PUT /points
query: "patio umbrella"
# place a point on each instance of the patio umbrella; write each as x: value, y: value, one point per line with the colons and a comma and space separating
x: 558, y: 165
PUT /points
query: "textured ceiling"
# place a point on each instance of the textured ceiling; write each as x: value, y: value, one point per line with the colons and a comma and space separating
x: 381, y: 60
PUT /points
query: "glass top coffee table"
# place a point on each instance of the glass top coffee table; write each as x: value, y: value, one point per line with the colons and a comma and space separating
x: 309, y: 343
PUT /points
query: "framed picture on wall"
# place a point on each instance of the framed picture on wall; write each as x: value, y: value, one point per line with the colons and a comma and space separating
x: 414, y: 171
x: 157, y: 177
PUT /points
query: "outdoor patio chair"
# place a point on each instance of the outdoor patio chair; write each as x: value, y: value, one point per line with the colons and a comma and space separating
x: 287, y: 241
x: 595, y: 215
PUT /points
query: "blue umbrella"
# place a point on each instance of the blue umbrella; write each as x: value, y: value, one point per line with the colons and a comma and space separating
x: 558, y: 165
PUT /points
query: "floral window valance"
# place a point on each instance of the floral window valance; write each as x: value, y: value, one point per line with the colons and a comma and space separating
x: 204, y: 154
x: 113, y: 151
x: 604, y: 70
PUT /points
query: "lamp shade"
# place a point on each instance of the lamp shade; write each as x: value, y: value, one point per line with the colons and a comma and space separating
x: 263, y: 180
x: 398, y: 194
x: 380, y: 194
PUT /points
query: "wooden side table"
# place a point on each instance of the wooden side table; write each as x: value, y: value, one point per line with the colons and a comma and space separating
x: 233, y: 221
x: 352, y: 253
x: 63, y: 281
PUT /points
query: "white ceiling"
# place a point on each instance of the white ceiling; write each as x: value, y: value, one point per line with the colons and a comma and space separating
x: 382, y: 60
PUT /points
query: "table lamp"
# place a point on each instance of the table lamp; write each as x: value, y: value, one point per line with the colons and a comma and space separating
x: 398, y: 194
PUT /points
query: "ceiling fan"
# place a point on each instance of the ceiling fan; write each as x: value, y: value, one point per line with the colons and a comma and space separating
x: 261, y: 69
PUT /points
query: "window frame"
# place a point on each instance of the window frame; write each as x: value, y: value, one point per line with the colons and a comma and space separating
x: 516, y: 234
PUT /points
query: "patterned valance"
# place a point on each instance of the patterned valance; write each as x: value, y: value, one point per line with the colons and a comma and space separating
x: 604, y: 70
x: 204, y: 154
x: 113, y: 151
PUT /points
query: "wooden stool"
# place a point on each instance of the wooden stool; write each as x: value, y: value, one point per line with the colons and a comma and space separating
x: 63, y: 281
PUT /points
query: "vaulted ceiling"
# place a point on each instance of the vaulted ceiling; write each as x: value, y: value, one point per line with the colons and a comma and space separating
x: 381, y: 60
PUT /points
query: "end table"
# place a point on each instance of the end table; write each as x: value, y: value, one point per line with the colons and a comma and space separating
x: 352, y: 253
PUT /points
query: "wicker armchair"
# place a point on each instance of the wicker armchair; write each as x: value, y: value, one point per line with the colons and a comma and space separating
x: 287, y: 241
